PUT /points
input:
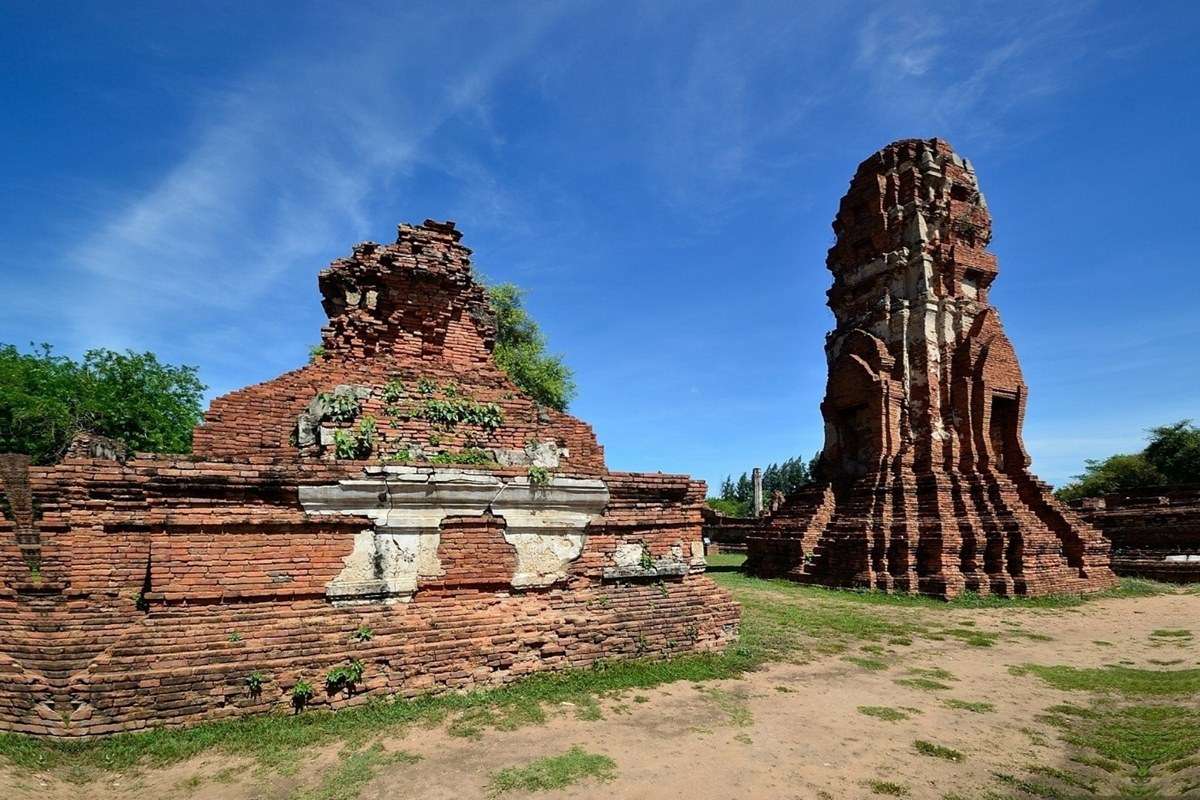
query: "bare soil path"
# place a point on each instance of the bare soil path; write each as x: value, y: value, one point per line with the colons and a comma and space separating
x: 794, y: 729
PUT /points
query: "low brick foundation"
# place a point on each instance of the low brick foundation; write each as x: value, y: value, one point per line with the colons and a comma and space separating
x: 399, y: 503
x: 1154, y: 532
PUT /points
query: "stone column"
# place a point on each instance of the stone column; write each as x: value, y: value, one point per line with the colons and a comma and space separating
x: 758, y: 497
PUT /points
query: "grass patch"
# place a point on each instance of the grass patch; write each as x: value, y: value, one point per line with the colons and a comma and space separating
x: 937, y: 673
x: 887, y: 788
x: 554, y: 772
x: 1069, y: 778
x: 1171, y: 633
x: 963, y: 705
x: 927, y: 684
x: 1032, y: 787
x: 883, y: 712
x: 873, y: 664
x: 937, y: 751
x: 971, y: 637
x: 356, y: 770
x: 733, y: 705
x: 1124, y: 680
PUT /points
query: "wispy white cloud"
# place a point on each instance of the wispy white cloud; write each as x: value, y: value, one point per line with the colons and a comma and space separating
x: 963, y: 73
x: 281, y: 170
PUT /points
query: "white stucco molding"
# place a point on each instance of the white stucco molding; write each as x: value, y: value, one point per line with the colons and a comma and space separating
x: 545, y: 524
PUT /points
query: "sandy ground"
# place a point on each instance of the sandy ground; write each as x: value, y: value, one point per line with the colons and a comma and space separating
x: 789, y: 731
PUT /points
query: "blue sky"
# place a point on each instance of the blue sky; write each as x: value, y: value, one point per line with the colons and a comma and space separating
x: 661, y: 177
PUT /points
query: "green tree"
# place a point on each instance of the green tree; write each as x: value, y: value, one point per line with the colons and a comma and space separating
x: 45, y: 399
x: 1113, y: 474
x: 521, y: 351
x: 1172, y: 456
x: 1174, y: 450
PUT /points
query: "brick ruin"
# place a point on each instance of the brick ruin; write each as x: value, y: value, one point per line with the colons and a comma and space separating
x: 1154, y: 532
x: 397, y: 504
x: 926, y: 486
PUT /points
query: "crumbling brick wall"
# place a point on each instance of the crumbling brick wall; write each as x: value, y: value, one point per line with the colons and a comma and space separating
x: 1154, y: 532
x: 926, y: 481
x: 163, y: 583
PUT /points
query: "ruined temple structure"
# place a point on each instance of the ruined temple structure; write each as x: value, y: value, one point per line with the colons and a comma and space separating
x: 926, y: 482
x: 1154, y: 531
x: 395, y: 518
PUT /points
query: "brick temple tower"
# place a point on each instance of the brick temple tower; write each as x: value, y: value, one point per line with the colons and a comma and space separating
x: 925, y: 484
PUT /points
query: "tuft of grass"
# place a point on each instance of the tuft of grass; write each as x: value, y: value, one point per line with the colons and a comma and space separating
x: 1032, y: 787
x: 554, y: 772
x: 873, y: 664
x: 1124, y: 680
x: 1069, y: 778
x: 1099, y: 762
x: 963, y: 705
x: 971, y: 636
x: 937, y: 751
x: 1171, y: 633
x: 883, y: 712
x: 922, y: 683
x: 887, y: 788
x: 356, y: 770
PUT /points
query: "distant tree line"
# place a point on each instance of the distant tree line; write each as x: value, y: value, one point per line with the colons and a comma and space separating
x: 1172, y: 456
x: 737, y: 497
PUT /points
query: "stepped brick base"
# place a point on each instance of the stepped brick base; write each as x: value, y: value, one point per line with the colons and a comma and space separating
x: 939, y: 535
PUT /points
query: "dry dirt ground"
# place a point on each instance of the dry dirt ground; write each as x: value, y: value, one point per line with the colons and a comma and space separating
x: 793, y: 729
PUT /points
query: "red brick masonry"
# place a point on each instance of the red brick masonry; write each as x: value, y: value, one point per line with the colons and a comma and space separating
x: 148, y: 592
x: 927, y: 487
x: 1155, y: 532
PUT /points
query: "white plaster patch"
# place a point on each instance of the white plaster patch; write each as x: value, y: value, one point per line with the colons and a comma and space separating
x: 545, y: 524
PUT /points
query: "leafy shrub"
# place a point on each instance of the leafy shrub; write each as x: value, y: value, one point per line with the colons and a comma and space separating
x: 302, y: 692
x: 343, y: 406
x: 344, y: 677
x: 363, y: 634
x: 255, y: 681
x: 521, y: 351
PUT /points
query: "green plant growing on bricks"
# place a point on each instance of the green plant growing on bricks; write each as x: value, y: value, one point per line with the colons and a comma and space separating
x: 449, y: 413
x: 343, y: 407
x: 356, y: 443
x: 302, y: 692
x: 539, y: 476
x: 469, y: 455
x: 344, y: 677
x: 393, y: 391
x: 255, y: 681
